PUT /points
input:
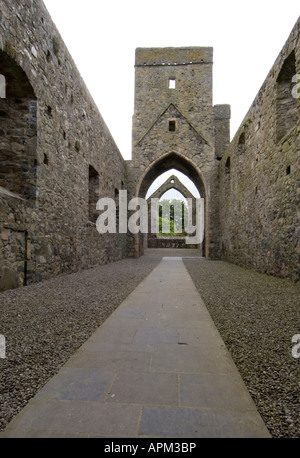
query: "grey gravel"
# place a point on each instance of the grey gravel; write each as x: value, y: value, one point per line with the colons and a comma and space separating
x: 45, y: 323
x: 256, y: 315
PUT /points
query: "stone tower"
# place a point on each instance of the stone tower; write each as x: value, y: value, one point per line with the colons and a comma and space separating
x: 178, y: 76
x: 176, y: 126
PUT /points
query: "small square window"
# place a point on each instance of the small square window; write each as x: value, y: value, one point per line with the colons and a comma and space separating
x: 172, y: 126
x: 172, y: 83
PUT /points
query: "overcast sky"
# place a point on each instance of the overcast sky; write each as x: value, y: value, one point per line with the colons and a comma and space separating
x: 102, y: 35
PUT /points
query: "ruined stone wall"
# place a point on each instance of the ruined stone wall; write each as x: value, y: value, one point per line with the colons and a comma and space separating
x: 51, y: 137
x: 57, y: 156
x: 260, y: 175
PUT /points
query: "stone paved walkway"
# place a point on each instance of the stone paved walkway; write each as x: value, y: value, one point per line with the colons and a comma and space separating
x: 156, y: 368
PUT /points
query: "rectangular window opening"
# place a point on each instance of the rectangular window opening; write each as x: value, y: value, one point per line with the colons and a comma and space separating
x: 172, y: 83
x: 172, y: 126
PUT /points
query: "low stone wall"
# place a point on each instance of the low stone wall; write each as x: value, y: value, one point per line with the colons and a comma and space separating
x: 169, y: 242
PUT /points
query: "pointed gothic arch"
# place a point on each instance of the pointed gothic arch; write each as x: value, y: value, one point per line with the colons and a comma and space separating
x: 175, y: 160
x: 172, y: 182
x: 171, y: 160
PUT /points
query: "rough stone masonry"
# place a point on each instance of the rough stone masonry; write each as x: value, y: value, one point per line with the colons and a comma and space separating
x: 57, y: 156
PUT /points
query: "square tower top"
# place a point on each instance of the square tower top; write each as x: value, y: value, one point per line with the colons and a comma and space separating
x: 178, y: 76
x: 173, y: 56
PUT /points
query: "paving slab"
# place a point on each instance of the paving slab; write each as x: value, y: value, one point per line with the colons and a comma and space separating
x: 157, y: 368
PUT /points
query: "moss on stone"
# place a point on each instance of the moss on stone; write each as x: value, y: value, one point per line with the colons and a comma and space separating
x: 77, y: 146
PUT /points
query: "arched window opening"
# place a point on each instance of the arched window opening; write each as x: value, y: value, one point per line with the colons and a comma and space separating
x: 18, y: 130
x: 286, y: 104
x: 94, y: 193
x: 173, y: 213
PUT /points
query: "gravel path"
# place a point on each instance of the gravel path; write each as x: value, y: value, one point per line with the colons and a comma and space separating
x: 257, y: 315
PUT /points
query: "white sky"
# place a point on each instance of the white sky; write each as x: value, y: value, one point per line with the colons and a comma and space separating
x: 102, y: 35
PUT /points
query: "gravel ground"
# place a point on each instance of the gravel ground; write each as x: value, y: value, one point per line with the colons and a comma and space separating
x: 256, y: 315
x: 45, y: 323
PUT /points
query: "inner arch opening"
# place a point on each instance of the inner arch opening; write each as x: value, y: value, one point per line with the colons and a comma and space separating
x: 184, y: 179
x: 168, y: 164
x: 163, y: 175
x: 173, y: 194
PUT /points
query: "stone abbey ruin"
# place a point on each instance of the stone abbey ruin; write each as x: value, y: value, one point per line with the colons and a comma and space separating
x: 58, y: 156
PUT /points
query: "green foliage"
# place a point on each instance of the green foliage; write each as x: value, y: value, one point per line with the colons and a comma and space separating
x: 172, y: 214
x: 165, y: 222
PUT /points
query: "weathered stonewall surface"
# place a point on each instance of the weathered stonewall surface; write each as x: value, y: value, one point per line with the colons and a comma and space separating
x: 260, y: 175
x: 57, y: 156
